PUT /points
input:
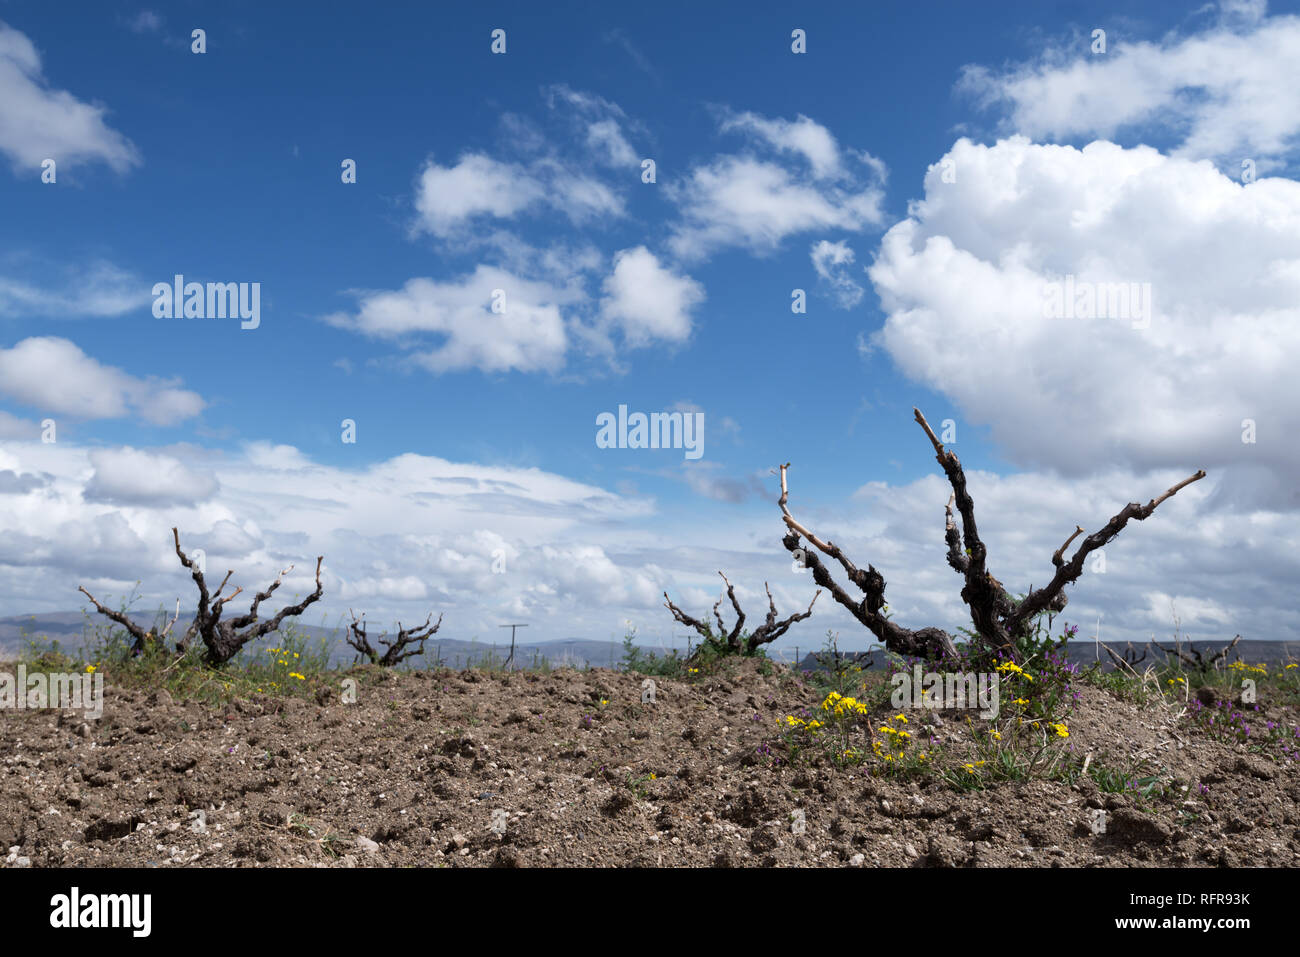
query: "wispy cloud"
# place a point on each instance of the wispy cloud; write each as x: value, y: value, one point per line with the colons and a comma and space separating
x: 39, y: 122
x: 97, y: 290
x: 146, y: 21
x: 832, y: 262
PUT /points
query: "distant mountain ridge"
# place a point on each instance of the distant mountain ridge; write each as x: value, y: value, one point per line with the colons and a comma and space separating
x: 70, y: 630
x: 1274, y: 654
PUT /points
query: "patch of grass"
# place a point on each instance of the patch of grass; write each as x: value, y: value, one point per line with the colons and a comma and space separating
x: 643, y: 662
x: 637, y: 784
x: 293, y: 667
x: 1119, y: 683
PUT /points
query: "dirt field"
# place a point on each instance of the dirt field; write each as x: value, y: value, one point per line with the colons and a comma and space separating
x: 476, y: 769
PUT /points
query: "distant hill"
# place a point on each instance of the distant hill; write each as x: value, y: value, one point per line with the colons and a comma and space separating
x: 1084, y: 653
x: 69, y: 629
x: 65, y: 626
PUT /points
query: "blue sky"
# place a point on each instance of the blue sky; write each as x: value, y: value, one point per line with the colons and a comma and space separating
x: 775, y: 171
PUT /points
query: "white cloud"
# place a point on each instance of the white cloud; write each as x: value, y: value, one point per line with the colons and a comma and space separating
x: 832, y: 262
x: 963, y: 284
x: 53, y: 375
x: 14, y: 483
x: 401, y: 589
x: 529, y: 336
x: 98, y: 290
x: 450, y: 197
x: 617, y: 35
x: 803, y: 136
x: 582, y: 198
x: 146, y: 21
x: 12, y: 427
x: 127, y: 476
x: 581, y: 102
x: 601, y: 121
x: 228, y: 538
x: 558, y: 263
x: 548, y: 288
x: 38, y: 122
x: 407, y: 535
x: 743, y: 200
x: 647, y: 301
x: 1226, y: 93
x: 605, y: 137
x: 1188, y: 608
x: 91, y: 545
x: 644, y: 302
x: 273, y: 457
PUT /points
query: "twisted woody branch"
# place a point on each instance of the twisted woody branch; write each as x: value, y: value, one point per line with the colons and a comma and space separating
x: 397, y: 650
x: 142, y: 639
x: 999, y: 620
x: 1195, y: 658
x: 734, y: 641
x: 221, y: 639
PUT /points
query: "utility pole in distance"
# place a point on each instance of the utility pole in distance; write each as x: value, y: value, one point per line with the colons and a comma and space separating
x: 512, y: 642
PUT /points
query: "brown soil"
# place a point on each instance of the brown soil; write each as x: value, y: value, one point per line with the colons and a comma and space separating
x: 413, y: 772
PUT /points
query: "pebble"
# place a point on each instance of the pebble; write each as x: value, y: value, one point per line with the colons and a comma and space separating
x: 367, y: 845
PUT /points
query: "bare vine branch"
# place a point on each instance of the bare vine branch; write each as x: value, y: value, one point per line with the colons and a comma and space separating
x: 221, y: 639
x: 735, y: 640
x: 1000, y: 621
x: 408, y: 643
